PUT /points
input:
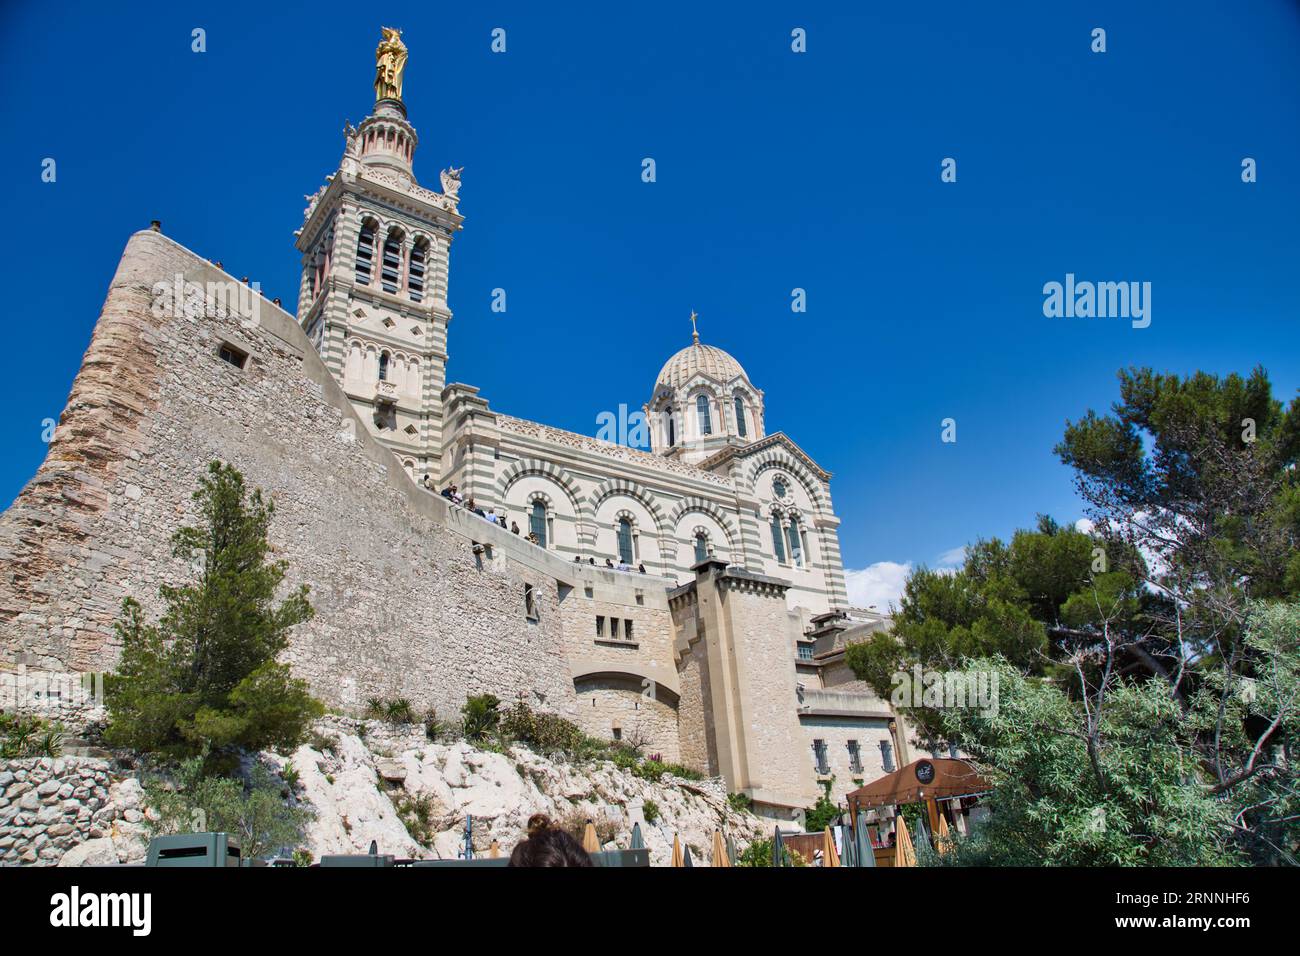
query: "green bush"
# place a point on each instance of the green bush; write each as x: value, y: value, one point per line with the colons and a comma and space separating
x: 416, y: 812
x: 480, y: 716
x: 29, y: 736
x: 653, y: 769
x: 759, y: 854
x: 254, y: 810
x: 545, y: 733
x: 650, y: 810
x: 821, y: 815
x: 741, y: 802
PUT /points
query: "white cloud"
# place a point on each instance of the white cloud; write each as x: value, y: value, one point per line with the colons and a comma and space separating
x: 880, y: 584
x: 1086, y: 525
x: 953, y: 558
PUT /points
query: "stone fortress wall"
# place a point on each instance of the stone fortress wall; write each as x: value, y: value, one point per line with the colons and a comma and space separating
x: 406, y: 604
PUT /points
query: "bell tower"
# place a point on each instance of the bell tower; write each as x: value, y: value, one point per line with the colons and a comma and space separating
x: 375, y: 251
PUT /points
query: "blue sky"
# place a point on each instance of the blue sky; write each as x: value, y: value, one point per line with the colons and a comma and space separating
x: 775, y: 170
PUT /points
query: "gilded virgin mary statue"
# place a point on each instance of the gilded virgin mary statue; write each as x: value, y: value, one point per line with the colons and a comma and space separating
x: 390, y: 63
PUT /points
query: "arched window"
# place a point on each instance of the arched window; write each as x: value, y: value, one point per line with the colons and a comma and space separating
x: 778, y: 544
x: 625, y: 540
x: 796, y: 545
x: 365, y: 252
x: 537, y: 522
x: 701, y: 546
x: 672, y: 430
x: 702, y: 410
x: 383, y: 366
x: 740, y: 416
x: 391, y: 267
x: 415, y: 280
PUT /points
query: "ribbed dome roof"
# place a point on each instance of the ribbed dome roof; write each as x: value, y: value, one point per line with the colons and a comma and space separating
x: 698, y: 358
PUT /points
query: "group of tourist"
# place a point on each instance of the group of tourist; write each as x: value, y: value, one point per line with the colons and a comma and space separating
x: 452, y: 494
x: 621, y: 566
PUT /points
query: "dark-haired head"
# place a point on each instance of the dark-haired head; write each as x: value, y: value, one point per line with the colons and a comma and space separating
x: 548, y: 845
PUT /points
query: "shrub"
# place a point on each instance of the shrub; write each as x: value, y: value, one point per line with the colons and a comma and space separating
x: 399, y: 711
x: 543, y: 732
x: 480, y: 716
x: 416, y: 812
x: 435, y: 728
x: 253, y: 809
x: 650, y: 810
x: 29, y: 736
x: 759, y: 853
x: 741, y: 802
x: 821, y: 815
x: 653, y: 769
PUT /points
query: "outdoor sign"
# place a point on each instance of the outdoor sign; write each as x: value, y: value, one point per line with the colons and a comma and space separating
x: 925, y: 772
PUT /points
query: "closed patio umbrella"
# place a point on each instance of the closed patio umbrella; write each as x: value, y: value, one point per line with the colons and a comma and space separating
x: 677, y: 852
x: 864, y: 851
x: 720, y: 857
x: 778, y: 849
x: 942, y: 836
x: 904, y: 852
x: 830, y: 856
x: 589, y: 841
x: 638, y: 841
x: 494, y: 851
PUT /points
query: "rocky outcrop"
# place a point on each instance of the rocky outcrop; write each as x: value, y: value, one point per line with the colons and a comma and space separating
x: 53, y: 809
x: 355, y: 793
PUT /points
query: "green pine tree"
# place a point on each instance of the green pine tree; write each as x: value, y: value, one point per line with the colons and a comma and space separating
x: 205, y: 677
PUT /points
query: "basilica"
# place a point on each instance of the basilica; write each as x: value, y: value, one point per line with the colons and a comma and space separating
x: 716, y: 489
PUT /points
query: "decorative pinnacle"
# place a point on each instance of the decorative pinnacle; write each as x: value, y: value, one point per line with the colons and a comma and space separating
x: 695, y: 333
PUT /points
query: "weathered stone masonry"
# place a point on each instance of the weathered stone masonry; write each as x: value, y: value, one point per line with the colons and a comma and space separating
x: 405, y: 606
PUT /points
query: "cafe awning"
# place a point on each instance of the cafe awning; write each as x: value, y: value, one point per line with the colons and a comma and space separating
x: 940, y: 778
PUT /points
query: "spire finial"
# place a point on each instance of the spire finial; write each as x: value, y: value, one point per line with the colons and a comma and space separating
x: 695, y: 333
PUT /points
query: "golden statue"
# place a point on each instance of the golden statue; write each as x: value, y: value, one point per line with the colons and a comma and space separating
x: 390, y: 63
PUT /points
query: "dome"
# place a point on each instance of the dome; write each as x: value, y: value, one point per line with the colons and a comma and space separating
x: 706, y: 359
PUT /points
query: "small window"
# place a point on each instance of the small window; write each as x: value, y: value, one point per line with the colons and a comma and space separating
x: 365, y: 253
x: 600, y: 625
x: 383, y: 366
x: 390, y: 268
x: 625, y: 540
x: 887, y: 756
x: 702, y: 410
x: 236, y: 357
x: 415, y: 276
x: 796, y: 545
x: 855, y: 757
x: 530, y: 603
x: 701, y: 547
x: 627, y: 628
x: 778, y: 545
x: 613, y: 627
x: 740, y: 416
x: 805, y: 652
x: 820, y: 757
x: 537, y: 522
